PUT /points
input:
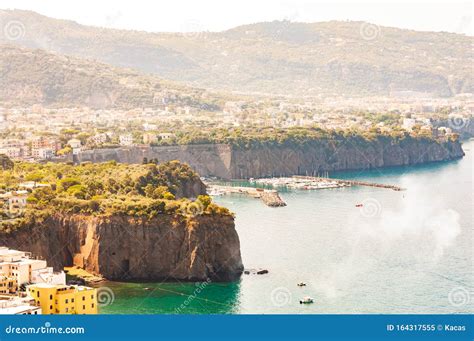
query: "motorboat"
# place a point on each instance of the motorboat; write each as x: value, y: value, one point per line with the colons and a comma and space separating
x: 306, y: 300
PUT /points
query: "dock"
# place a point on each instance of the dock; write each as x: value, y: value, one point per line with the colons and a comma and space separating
x: 351, y: 182
x: 270, y: 197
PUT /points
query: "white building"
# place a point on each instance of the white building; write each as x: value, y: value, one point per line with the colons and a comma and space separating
x: 126, y: 140
x: 20, y: 265
x: 74, y: 143
x: 99, y: 138
x: 32, y: 184
x: 15, y: 305
x: 48, y: 276
x: 11, y: 152
x: 42, y: 153
x: 14, y: 201
x: 408, y: 123
x: 166, y: 136
x: 149, y: 127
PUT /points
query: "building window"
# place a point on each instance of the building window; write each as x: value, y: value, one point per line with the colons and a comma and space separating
x: 67, y: 309
x: 72, y: 300
x: 92, y: 305
x: 50, y: 297
x: 67, y: 301
x: 84, y: 307
x: 38, y: 294
x: 51, y: 307
x: 83, y: 298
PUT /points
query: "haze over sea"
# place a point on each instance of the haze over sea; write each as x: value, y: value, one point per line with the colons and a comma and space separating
x: 402, y: 252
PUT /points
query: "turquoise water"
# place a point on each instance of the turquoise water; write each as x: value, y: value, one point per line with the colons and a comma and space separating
x: 403, y: 252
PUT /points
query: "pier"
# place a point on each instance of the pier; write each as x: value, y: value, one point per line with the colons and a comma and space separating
x: 351, y: 182
x: 269, y: 197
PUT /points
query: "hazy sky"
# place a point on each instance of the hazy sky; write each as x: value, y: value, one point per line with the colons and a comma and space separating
x: 217, y: 15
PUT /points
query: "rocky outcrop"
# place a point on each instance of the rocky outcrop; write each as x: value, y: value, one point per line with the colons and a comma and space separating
x: 232, y: 162
x: 131, y: 248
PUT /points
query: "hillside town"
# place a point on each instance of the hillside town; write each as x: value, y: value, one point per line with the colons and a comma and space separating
x: 39, y: 133
x: 28, y: 286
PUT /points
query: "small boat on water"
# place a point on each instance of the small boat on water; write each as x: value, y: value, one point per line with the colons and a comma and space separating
x: 306, y: 300
x: 359, y: 205
x: 301, y: 284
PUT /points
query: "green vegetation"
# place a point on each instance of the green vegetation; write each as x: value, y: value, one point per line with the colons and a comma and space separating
x: 5, y: 162
x: 298, y: 136
x: 109, y: 189
x: 74, y: 80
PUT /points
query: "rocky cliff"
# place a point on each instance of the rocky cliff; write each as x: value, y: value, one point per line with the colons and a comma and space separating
x: 233, y: 162
x: 321, y: 156
x: 132, y: 248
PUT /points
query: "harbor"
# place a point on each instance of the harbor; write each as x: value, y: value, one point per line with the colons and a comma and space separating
x: 313, y: 183
x: 343, y: 183
x: 270, y: 195
x: 300, y: 183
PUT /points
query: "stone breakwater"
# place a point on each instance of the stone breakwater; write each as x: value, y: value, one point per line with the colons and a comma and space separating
x: 232, y: 162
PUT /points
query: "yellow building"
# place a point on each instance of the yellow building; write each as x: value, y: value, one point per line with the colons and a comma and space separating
x: 64, y: 299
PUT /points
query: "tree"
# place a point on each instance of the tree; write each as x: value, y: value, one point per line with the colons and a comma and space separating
x: 205, y: 200
x: 168, y: 196
x: 35, y: 177
x: 5, y: 162
x: 77, y: 191
x: 65, y: 183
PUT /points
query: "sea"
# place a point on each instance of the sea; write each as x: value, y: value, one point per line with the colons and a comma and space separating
x: 401, y: 252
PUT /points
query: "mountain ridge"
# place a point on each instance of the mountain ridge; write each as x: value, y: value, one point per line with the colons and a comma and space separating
x: 279, y: 57
x: 35, y: 76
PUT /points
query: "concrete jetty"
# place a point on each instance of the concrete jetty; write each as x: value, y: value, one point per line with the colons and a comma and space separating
x: 269, y: 197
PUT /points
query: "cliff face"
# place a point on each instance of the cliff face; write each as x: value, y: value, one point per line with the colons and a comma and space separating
x: 322, y: 156
x: 130, y: 248
x: 231, y: 162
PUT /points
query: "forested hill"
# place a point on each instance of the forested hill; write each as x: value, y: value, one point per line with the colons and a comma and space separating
x: 280, y: 57
x: 34, y: 76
